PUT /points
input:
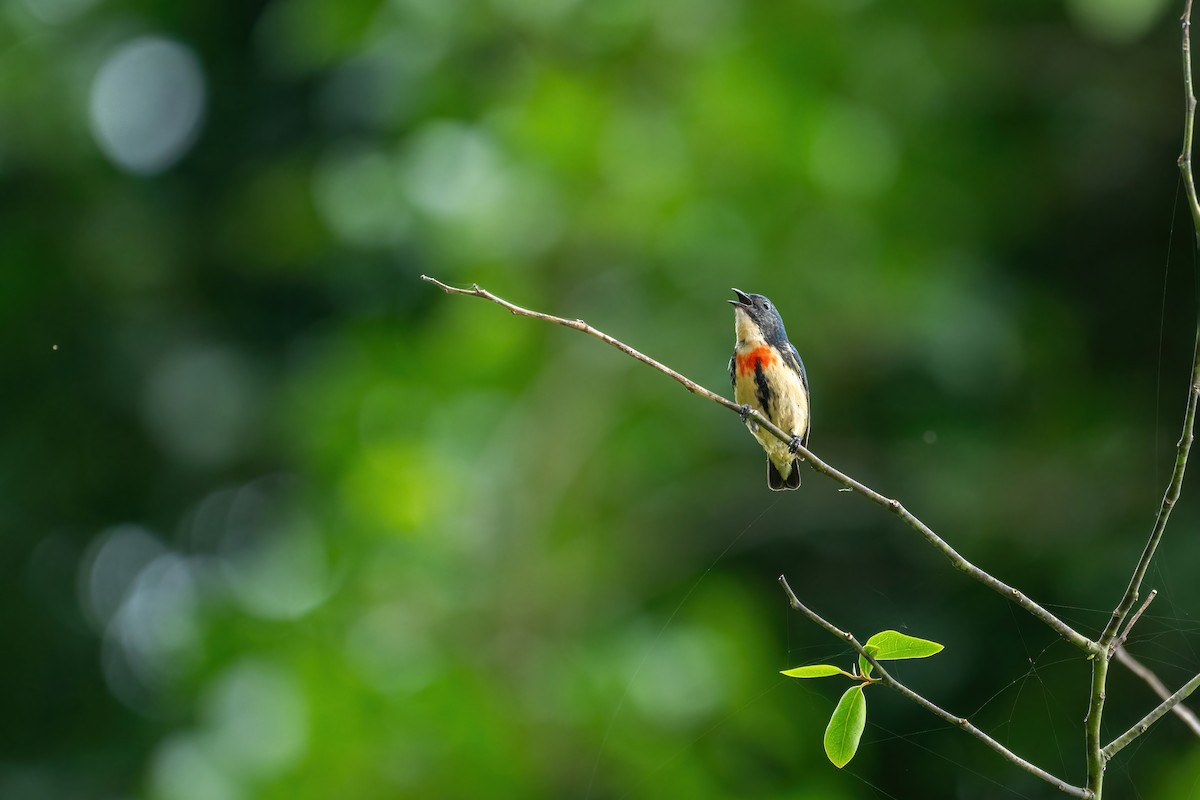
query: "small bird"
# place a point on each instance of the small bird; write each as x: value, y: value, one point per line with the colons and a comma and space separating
x: 768, y: 377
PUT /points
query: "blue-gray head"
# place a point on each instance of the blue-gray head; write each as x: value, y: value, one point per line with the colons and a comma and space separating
x: 753, y: 312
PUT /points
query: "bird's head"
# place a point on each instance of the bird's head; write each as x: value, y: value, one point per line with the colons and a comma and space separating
x: 756, y: 317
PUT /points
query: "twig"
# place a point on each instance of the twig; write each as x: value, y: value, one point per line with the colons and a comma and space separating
x: 887, y: 680
x: 1097, y: 757
x: 1189, y: 119
x: 1120, y: 640
x: 1142, y: 671
x: 1189, y: 417
x: 580, y: 325
x: 957, y: 560
x: 1141, y: 727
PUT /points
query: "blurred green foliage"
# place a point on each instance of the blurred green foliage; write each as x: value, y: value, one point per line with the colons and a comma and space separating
x: 278, y: 520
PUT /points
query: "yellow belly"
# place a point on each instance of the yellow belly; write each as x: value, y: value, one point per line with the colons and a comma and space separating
x: 788, y: 409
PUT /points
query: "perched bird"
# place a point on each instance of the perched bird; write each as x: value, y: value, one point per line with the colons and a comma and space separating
x: 768, y: 377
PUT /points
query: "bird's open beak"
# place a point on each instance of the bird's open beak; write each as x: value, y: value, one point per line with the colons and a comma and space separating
x: 743, y: 299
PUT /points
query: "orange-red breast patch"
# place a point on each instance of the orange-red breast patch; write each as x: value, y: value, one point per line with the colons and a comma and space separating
x: 758, y: 357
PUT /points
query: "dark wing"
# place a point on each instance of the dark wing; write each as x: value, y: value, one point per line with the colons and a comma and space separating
x: 795, y: 362
x: 732, y: 374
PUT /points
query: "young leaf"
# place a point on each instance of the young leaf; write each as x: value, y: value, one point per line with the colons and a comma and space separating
x: 893, y: 645
x: 864, y: 666
x: 815, y: 671
x: 846, y: 726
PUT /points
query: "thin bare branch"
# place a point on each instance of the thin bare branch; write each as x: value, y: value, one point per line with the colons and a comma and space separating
x: 1159, y: 688
x: 1144, y: 724
x: 1189, y: 416
x: 965, y: 724
x: 580, y: 325
x: 1109, y: 642
x: 955, y: 558
x: 1189, y: 119
x: 1120, y: 640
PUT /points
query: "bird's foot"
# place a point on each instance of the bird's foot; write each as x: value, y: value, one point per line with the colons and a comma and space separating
x: 745, y: 412
x: 794, y: 445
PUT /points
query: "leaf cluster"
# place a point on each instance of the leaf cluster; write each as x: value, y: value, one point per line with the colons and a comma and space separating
x: 849, y: 718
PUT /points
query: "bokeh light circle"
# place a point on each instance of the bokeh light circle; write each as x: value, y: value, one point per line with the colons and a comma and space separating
x: 146, y: 104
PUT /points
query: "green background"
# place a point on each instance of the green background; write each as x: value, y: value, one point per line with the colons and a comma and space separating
x: 279, y: 520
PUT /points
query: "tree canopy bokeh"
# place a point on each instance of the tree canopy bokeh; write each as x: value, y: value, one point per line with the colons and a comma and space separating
x: 279, y: 520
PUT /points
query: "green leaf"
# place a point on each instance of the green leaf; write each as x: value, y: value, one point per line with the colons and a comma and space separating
x: 864, y: 666
x: 815, y: 671
x: 846, y: 726
x: 893, y: 645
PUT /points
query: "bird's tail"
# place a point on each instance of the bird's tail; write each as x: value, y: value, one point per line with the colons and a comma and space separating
x: 777, y: 482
